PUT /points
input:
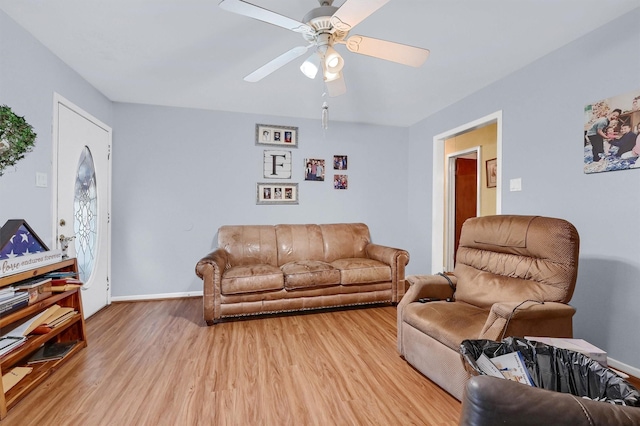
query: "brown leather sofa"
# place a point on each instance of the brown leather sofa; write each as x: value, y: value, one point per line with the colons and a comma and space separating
x: 490, y: 401
x: 514, y: 276
x: 259, y: 269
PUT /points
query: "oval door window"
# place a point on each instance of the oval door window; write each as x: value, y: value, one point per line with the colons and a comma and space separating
x: 85, y: 212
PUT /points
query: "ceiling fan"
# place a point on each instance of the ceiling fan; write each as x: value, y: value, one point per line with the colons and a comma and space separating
x: 322, y: 28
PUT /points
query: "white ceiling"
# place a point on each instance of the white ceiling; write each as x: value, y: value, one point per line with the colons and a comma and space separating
x: 190, y: 53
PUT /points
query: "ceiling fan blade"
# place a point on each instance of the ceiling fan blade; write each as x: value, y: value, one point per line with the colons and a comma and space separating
x: 336, y: 87
x: 278, y: 62
x: 352, y: 12
x: 391, y: 51
x: 256, y: 12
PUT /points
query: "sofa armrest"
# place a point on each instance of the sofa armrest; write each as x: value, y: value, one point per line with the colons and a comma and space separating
x: 490, y: 401
x: 397, y: 259
x: 210, y: 269
x: 520, y: 319
x: 435, y: 286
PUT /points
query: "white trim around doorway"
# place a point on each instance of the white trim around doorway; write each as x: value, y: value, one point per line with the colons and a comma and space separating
x: 438, y: 199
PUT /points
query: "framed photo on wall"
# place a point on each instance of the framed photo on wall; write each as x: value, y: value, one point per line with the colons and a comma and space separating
x: 314, y: 169
x: 339, y: 162
x: 340, y: 182
x: 276, y: 193
x: 492, y: 172
x: 269, y: 134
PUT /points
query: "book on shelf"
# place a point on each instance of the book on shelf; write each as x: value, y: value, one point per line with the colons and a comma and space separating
x: 61, y: 274
x: 17, y: 301
x: 13, y: 376
x: 31, y: 283
x: 508, y: 366
x: 9, y: 343
x: 51, y: 318
x: 37, y: 288
x: 6, y: 293
x: 51, y: 351
x: 59, y: 285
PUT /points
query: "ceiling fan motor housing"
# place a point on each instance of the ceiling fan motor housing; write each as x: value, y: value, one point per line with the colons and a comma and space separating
x: 320, y: 20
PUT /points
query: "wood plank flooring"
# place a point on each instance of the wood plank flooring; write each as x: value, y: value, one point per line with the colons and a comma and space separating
x: 157, y: 363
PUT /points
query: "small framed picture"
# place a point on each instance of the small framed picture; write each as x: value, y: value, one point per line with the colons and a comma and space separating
x: 277, y: 193
x: 339, y: 162
x: 277, y: 164
x: 314, y: 169
x: 492, y: 173
x: 340, y: 181
x: 268, y: 134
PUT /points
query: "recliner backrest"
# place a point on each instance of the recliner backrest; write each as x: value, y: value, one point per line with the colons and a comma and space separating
x: 510, y: 258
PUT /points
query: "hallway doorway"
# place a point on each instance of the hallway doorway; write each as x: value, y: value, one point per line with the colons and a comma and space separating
x: 488, y: 200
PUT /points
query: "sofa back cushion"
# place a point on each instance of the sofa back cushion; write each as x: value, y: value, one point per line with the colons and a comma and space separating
x: 511, y: 258
x: 344, y: 240
x: 249, y: 244
x: 299, y: 242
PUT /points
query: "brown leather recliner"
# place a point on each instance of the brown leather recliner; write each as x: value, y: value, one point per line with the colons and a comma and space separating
x: 514, y: 276
x: 490, y: 401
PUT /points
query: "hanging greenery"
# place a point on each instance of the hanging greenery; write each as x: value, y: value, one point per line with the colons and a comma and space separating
x: 16, y: 138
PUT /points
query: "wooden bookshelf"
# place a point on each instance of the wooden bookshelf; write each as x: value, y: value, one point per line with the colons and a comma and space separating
x: 71, y: 330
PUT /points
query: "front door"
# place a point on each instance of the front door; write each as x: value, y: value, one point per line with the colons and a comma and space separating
x: 82, y: 173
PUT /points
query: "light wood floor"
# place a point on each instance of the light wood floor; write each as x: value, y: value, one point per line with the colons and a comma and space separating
x: 156, y: 363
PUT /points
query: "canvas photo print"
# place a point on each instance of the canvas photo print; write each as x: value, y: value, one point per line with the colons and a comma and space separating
x: 612, y: 133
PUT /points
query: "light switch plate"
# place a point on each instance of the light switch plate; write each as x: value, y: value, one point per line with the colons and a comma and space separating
x: 41, y: 180
x: 515, y: 184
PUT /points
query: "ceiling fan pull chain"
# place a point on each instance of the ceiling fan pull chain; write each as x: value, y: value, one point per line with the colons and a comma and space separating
x: 325, y: 115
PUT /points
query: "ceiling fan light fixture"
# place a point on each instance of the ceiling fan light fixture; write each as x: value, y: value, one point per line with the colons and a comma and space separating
x: 311, y: 66
x: 333, y: 61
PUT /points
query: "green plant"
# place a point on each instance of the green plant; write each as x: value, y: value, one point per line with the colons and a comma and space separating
x: 16, y: 138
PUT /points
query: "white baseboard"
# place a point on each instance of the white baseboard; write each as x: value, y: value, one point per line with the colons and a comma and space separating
x: 625, y: 368
x: 143, y: 297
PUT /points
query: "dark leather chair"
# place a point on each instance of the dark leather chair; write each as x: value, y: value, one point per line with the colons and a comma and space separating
x: 489, y: 401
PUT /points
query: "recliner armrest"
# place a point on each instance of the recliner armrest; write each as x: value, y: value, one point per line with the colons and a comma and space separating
x: 526, y: 318
x: 435, y: 286
x: 490, y: 401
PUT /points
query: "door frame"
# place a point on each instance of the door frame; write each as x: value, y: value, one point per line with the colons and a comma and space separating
x: 451, y: 199
x: 437, y: 201
x: 61, y: 100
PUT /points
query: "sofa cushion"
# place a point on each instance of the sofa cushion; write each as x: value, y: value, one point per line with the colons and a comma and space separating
x: 251, y: 279
x: 309, y: 273
x: 344, y: 240
x: 448, y: 322
x: 249, y: 244
x: 299, y: 242
x: 362, y: 271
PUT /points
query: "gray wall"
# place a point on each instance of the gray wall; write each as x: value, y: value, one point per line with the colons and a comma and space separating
x: 179, y: 174
x: 29, y: 75
x: 543, y: 118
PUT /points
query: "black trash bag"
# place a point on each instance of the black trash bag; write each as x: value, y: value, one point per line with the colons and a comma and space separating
x: 556, y: 369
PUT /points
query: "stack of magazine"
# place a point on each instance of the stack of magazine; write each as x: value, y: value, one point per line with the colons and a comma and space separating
x: 508, y: 366
x: 10, y: 300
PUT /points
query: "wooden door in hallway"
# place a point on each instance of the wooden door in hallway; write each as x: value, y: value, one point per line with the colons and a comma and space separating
x: 466, y: 195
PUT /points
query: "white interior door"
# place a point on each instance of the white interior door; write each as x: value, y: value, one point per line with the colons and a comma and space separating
x: 82, y: 175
